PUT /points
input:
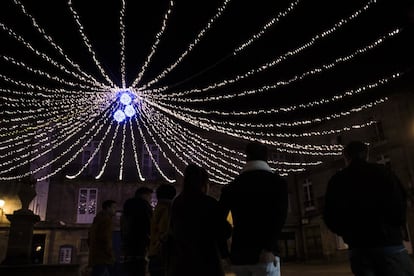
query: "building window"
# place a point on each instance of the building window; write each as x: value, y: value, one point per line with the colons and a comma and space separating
x: 65, y: 254
x: 384, y: 160
x: 309, y: 201
x: 148, y: 167
x: 87, y: 205
x: 83, y: 245
x: 38, y: 248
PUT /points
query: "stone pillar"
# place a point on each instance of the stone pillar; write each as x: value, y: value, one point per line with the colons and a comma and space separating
x: 21, y: 227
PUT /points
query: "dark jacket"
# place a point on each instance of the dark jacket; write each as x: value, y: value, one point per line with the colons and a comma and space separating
x: 197, y: 230
x: 135, y: 227
x: 366, y: 205
x: 100, y: 240
x: 257, y: 200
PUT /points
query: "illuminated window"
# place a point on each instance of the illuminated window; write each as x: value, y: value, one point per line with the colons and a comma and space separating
x: 87, y: 205
x: 309, y: 201
x: 65, y: 254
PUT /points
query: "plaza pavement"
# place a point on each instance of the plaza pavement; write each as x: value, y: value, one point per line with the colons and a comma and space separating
x: 312, y: 269
x: 300, y: 269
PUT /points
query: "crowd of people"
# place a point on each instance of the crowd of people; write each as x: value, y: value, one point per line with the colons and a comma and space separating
x: 189, y: 234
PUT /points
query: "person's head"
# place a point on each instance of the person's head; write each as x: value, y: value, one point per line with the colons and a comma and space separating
x: 109, y: 206
x: 166, y: 192
x: 144, y: 193
x: 205, y: 185
x: 355, y: 150
x: 195, y: 180
x: 256, y: 151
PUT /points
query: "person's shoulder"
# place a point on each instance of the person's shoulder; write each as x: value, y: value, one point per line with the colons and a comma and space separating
x: 276, y: 176
x: 129, y: 201
x: 378, y: 167
x: 383, y: 171
x: 210, y: 199
x: 339, y: 175
x: 344, y: 176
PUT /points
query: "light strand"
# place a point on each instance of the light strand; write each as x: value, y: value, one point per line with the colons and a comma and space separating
x: 134, y: 147
x: 284, y: 56
x: 88, y: 44
x: 154, y: 45
x: 191, y: 46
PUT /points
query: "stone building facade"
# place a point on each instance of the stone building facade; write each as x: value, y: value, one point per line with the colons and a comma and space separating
x: 391, y: 141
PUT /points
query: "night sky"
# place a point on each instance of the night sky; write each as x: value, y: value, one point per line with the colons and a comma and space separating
x: 212, y: 59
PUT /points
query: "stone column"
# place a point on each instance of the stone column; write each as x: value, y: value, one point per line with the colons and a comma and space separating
x: 21, y: 227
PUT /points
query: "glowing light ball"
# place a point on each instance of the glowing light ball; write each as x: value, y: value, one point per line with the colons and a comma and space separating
x: 125, y: 98
x: 129, y: 111
x: 119, y: 116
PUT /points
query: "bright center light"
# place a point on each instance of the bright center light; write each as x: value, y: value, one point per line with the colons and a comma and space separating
x: 2, y: 203
x: 125, y: 98
x: 129, y: 110
x: 119, y: 116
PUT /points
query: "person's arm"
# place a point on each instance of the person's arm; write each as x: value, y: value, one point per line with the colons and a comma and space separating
x: 395, y: 203
x: 104, y: 235
x: 277, y: 219
x: 332, y: 212
x: 223, y: 211
x: 224, y: 202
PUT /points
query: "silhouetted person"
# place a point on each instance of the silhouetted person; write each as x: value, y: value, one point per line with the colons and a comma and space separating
x: 101, y: 254
x: 366, y: 205
x: 257, y: 199
x: 197, y: 228
x: 159, y: 227
x: 135, y: 231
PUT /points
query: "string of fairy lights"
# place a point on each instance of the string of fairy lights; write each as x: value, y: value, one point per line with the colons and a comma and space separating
x: 63, y: 119
x: 291, y: 53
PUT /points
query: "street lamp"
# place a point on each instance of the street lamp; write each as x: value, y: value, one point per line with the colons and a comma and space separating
x: 2, y: 202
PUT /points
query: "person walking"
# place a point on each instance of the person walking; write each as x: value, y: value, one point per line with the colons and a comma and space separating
x: 135, y: 231
x: 257, y: 199
x: 101, y: 254
x: 197, y: 228
x: 159, y: 229
x: 365, y: 204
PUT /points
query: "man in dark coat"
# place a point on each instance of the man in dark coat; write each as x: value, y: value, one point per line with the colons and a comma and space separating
x: 135, y: 231
x: 257, y: 199
x: 366, y: 205
x: 197, y: 229
x: 101, y: 253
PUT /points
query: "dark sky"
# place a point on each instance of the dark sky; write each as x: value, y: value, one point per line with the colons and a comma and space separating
x: 238, y: 22
x: 212, y: 59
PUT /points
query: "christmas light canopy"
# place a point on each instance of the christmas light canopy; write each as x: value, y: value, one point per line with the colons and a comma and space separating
x: 198, y: 99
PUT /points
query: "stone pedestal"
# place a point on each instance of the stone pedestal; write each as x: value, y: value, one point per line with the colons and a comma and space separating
x: 21, y: 228
x: 20, y: 237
